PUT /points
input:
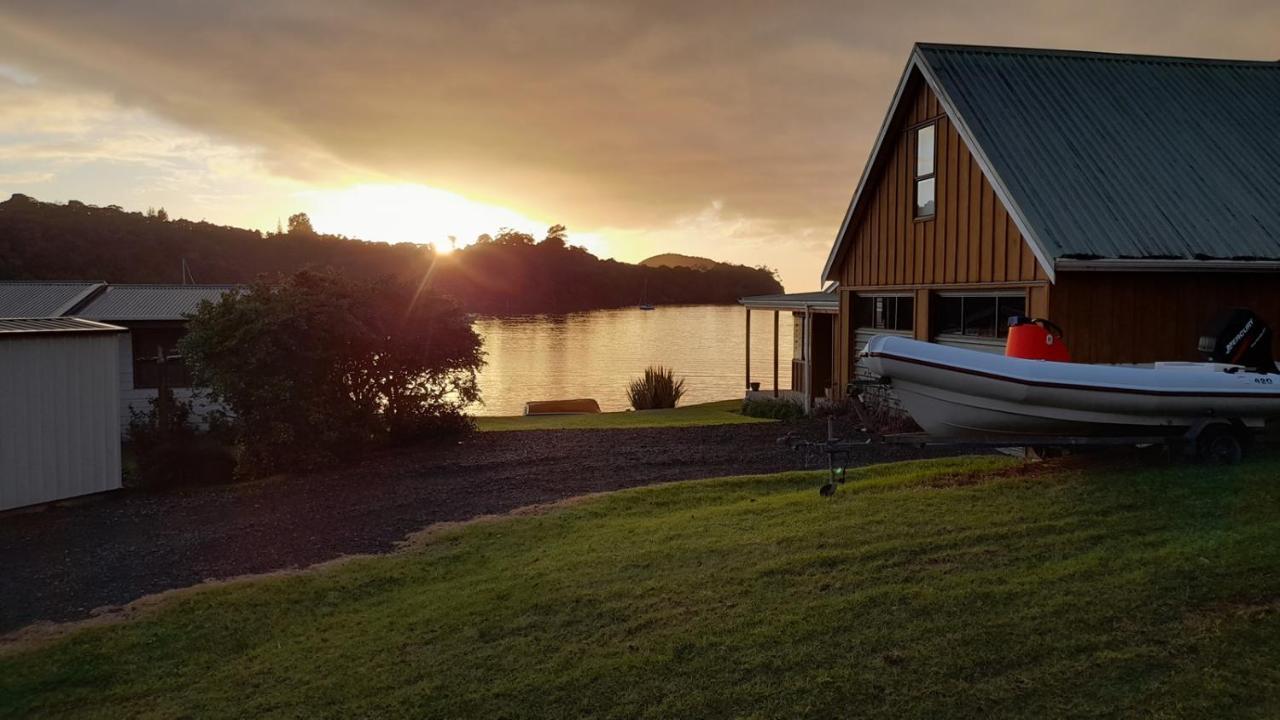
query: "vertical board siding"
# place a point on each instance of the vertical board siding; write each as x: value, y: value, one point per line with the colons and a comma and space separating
x: 1112, y: 317
x: 60, y: 429
x: 970, y: 239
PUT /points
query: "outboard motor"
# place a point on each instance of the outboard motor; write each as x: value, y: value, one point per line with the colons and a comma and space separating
x: 1239, y: 337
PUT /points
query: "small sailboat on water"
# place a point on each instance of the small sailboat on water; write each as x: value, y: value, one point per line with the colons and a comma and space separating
x: 644, y: 303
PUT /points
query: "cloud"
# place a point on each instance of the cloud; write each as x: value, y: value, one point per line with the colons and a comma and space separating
x: 622, y: 114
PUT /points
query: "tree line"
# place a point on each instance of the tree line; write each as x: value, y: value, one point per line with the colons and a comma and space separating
x: 507, y: 273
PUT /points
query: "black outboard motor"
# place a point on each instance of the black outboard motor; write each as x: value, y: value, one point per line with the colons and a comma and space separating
x: 1239, y: 337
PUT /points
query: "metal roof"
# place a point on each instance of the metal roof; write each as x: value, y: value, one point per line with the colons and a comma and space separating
x: 821, y: 300
x: 1125, y: 156
x: 150, y: 302
x: 1114, y: 156
x: 26, y: 327
x: 42, y: 299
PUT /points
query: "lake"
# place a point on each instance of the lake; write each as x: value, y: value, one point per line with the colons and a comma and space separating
x: 595, y: 354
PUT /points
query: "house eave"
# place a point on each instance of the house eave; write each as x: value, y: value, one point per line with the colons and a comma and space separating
x: 1166, y: 265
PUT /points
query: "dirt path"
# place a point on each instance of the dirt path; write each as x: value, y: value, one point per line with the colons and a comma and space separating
x: 63, y: 562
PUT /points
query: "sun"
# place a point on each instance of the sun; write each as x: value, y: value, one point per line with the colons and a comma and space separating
x: 410, y: 213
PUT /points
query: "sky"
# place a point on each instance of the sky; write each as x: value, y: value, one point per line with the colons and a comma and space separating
x: 733, y: 130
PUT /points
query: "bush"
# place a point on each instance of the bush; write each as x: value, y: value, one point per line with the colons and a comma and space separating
x: 773, y: 408
x: 316, y: 367
x: 882, y: 413
x: 168, y: 449
x: 657, y: 388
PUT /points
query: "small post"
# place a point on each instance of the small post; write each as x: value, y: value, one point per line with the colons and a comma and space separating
x: 775, y: 353
x: 808, y: 359
x: 748, y: 380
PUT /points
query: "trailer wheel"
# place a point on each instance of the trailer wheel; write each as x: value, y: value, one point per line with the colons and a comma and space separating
x: 1219, y: 445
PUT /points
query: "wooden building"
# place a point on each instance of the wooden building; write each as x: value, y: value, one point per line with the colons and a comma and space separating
x: 1125, y: 198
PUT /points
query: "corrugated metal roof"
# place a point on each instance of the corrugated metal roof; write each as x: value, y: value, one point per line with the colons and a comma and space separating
x: 150, y: 302
x: 42, y: 299
x: 793, y: 301
x: 1124, y: 156
x: 29, y: 326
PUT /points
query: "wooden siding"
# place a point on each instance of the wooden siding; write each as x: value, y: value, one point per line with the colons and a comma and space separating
x: 971, y: 242
x: 1115, y: 317
x: 971, y: 238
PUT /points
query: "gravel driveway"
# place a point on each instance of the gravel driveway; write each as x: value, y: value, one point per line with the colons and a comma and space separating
x: 62, y: 562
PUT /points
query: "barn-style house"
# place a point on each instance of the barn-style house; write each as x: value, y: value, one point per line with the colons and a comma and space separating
x: 1125, y: 198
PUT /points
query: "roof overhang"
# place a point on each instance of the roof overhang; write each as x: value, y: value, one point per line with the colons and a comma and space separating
x: 20, y: 328
x: 800, y: 302
x: 1140, y: 265
x: 917, y: 63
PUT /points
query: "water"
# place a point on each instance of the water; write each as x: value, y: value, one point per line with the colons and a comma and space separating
x: 595, y: 354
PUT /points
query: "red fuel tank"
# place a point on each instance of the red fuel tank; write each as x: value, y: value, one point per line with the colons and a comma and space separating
x: 1035, y: 339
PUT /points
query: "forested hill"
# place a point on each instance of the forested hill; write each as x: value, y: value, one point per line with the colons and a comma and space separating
x: 508, y: 273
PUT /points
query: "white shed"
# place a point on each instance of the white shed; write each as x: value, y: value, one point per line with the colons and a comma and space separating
x: 59, y: 409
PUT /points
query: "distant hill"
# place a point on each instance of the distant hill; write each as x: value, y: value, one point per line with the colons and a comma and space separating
x: 676, y: 260
x: 507, y: 273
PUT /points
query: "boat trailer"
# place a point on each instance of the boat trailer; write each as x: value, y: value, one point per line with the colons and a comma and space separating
x: 1211, y: 440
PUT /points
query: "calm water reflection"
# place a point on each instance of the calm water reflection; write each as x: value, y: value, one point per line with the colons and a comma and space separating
x: 595, y: 354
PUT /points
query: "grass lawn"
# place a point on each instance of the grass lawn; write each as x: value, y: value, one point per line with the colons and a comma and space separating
x: 724, y: 412
x: 954, y: 588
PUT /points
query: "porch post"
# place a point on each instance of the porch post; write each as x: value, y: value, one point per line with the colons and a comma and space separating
x: 808, y: 359
x: 748, y: 352
x: 775, y: 353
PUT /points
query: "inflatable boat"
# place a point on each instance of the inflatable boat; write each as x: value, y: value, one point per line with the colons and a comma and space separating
x: 960, y: 393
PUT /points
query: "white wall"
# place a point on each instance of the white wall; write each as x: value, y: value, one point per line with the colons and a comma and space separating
x: 59, y: 417
x: 139, y: 399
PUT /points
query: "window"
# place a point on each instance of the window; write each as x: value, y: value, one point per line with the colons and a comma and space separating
x: 926, y: 183
x: 985, y: 316
x: 147, y: 343
x: 884, y: 312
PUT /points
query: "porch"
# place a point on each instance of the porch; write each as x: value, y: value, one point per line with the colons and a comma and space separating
x: 811, y: 375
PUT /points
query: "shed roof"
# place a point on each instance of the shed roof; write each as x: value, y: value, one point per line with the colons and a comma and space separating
x: 1113, y: 156
x: 150, y: 302
x: 42, y: 299
x: 820, y: 301
x: 26, y: 327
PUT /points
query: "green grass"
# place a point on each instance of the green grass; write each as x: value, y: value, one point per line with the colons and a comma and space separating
x: 922, y: 590
x: 724, y: 412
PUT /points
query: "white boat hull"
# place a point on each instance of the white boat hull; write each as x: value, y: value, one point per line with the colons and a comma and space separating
x: 953, y: 392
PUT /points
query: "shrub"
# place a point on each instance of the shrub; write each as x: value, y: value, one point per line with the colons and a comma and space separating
x: 168, y: 449
x: 657, y: 388
x: 882, y: 414
x: 316, y: 367
x: 773, y: 408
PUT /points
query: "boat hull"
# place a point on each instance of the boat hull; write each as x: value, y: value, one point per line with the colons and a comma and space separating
x: 952, y: 392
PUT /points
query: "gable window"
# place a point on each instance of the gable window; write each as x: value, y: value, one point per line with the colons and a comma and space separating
x: 926, y: 183
x: 884, y: 312
x: 985, y: 316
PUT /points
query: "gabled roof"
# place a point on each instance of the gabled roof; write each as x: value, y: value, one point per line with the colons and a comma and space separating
x: 42, y: 299
x: 150, y: 302
x: 1108, y: 156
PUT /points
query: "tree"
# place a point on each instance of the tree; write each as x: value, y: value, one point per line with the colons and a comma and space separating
x: 300, y: 224
x: 315, y: 367
x: 507, y: 236
x: 557, y: 237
